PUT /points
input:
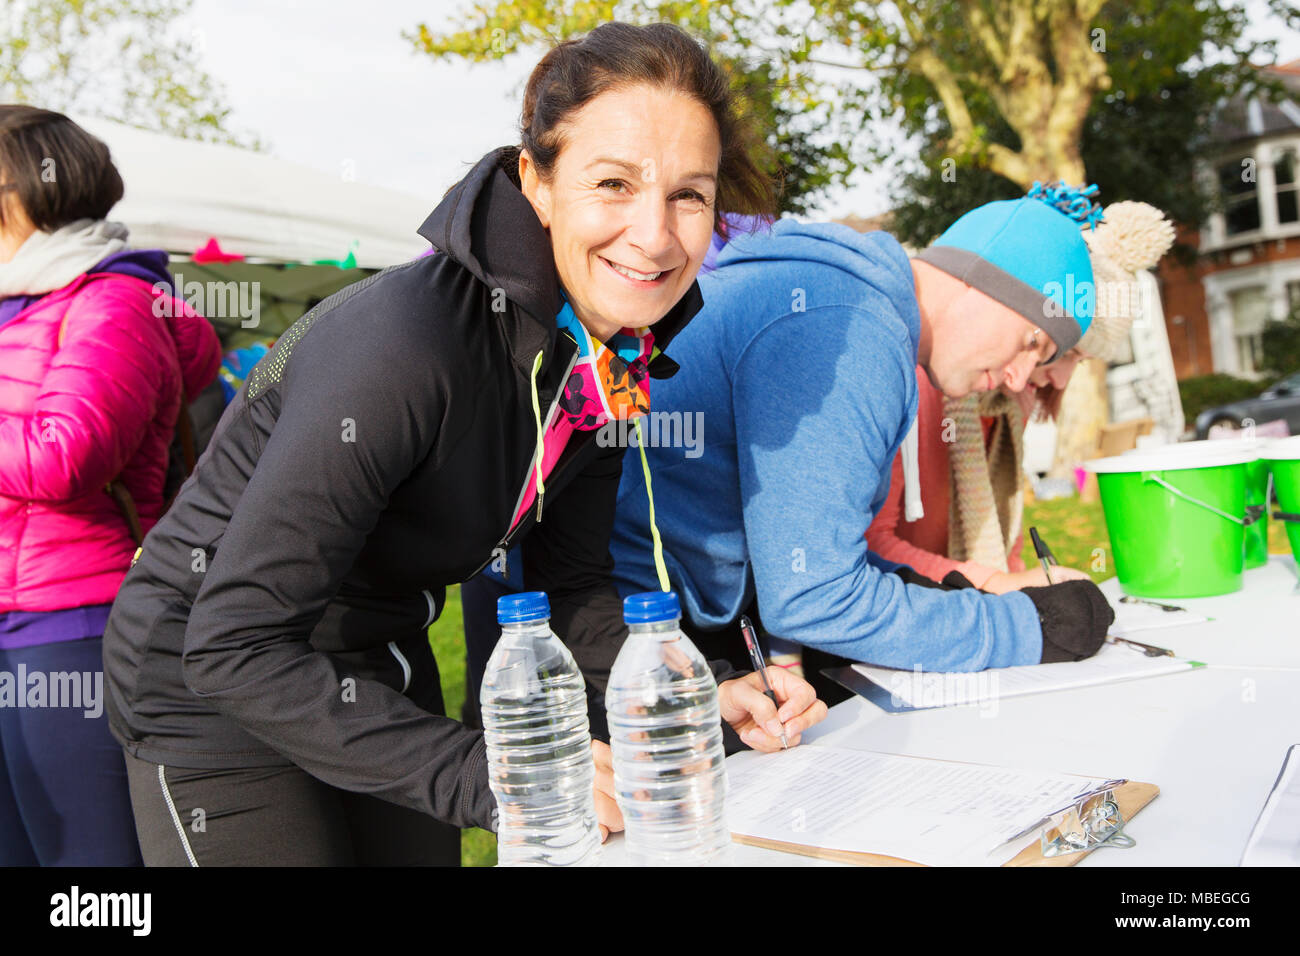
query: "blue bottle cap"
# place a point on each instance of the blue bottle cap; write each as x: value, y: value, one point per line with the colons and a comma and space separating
x: 522, y: 608
x: 651, y: 607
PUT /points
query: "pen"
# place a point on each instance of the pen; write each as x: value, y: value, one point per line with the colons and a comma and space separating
x: 751, y: 641
x: 1045, y: 556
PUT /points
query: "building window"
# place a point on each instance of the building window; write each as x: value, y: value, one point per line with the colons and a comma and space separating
x: 1237, y: 188
x: 1284, y: 170
x: 1249, y: 314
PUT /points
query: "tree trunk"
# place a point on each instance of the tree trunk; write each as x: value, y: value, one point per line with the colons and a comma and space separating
x: 1085, y: 408
x: 1047, y: 108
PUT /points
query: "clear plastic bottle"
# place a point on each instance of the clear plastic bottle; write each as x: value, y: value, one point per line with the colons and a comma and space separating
x: 666, y: 736
x: 534, y: 706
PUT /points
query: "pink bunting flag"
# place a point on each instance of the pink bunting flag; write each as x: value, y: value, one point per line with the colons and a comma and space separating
x: 211, y: 251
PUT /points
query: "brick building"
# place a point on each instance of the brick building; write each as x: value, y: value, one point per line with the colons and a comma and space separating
x: 1247, y: 269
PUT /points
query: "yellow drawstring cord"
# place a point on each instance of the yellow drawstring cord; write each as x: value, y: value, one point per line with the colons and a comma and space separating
x: 541, y: 438
x: 660, y: 568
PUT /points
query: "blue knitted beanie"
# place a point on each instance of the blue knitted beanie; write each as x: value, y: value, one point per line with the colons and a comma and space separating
x: 1028, y: 254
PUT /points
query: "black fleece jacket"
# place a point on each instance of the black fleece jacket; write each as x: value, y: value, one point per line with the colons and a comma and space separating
x: 377, y: 454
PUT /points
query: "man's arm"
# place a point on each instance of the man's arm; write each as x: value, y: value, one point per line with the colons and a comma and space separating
x: 821, y: 397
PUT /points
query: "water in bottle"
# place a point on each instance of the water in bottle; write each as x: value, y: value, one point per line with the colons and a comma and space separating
x: 666, y: 737
x: 534, y: 707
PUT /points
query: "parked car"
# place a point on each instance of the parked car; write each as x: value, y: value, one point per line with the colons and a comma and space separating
x: 1280, y: 402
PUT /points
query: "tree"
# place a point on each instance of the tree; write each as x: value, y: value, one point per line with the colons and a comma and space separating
x: 807, y: 145
x: 124, y: 60
x: 1003, y: 89
x: 1144, y: 133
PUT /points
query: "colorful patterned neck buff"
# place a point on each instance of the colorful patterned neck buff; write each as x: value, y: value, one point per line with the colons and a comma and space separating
x: 610, y: 381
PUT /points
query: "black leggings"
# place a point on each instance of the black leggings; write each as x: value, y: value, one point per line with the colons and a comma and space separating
x: 275, y: 816
x: 283, y: 816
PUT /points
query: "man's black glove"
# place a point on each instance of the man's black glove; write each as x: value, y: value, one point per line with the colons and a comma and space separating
x: 910, y: 576
x: 956, y: 581
x: 952, y: 581
x: 1074, y: 616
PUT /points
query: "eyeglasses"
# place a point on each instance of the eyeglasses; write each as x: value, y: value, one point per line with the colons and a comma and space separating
x: 1037, y: 342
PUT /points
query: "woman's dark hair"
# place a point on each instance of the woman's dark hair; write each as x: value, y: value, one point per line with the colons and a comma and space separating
x: 1048, y: 398
x: 616, y: 55
x: 58, y: 172
x: 1047, y: 403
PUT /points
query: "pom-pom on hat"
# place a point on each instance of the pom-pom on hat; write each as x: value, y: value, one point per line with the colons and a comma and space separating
x: 1030, y: 255
x: 1131, y: 238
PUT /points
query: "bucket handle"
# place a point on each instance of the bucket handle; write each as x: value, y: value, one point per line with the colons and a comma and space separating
x: 1150, y: 476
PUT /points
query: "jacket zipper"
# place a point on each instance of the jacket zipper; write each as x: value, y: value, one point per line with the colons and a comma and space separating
x: 503, y: 546
x: 540, y: 454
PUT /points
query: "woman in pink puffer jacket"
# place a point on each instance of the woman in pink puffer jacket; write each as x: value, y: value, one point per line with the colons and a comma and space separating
x: 96, y: 357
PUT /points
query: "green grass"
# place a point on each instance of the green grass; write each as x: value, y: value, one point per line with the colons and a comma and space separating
x: 1277, y: 542
x: 1076, y: 531
x: 447, y: 638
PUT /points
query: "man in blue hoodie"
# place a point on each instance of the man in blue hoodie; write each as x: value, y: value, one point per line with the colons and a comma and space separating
x: 801, y: 370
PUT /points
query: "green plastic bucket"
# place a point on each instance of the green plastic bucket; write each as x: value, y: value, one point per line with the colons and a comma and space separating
x: 1257, y: 479
x: 1284, y: 459
x: 1177, y: 526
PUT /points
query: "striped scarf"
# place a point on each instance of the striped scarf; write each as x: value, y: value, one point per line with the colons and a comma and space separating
x: 987, y: 496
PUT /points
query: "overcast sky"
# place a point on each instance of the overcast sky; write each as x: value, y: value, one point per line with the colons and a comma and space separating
x: 332, y: 83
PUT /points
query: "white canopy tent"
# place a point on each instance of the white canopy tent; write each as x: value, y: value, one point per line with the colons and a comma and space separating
x: 179, y: 193
x: 280, y: 216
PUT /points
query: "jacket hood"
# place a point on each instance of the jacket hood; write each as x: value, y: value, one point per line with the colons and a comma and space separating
x: 486, y: 224
x: 873, y: 258
x: 147, y: 264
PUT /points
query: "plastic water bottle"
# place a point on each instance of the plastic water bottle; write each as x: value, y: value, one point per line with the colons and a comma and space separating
x: 534, y: 707
x: 666, y: 736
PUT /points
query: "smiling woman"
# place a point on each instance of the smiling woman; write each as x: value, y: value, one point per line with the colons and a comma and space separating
x: 266, y: 658
x: 631, y: 201
x: 630, y: 152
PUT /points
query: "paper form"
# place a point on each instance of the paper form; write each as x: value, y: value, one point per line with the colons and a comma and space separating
x: 927, y: 811
x: 1275, y: 841
x: 1133, y: 618
x: 1114, y: 662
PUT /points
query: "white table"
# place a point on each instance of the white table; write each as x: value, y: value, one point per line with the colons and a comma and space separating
x: 1212, y: 739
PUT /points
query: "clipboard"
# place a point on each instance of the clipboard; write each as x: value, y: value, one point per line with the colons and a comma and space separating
x: 1131, y: 797
x: 869, y: 690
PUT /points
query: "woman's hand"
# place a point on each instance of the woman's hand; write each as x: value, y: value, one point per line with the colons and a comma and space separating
x: 757, y: 720
x: 1004, y: 581
x: 607, y: 813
